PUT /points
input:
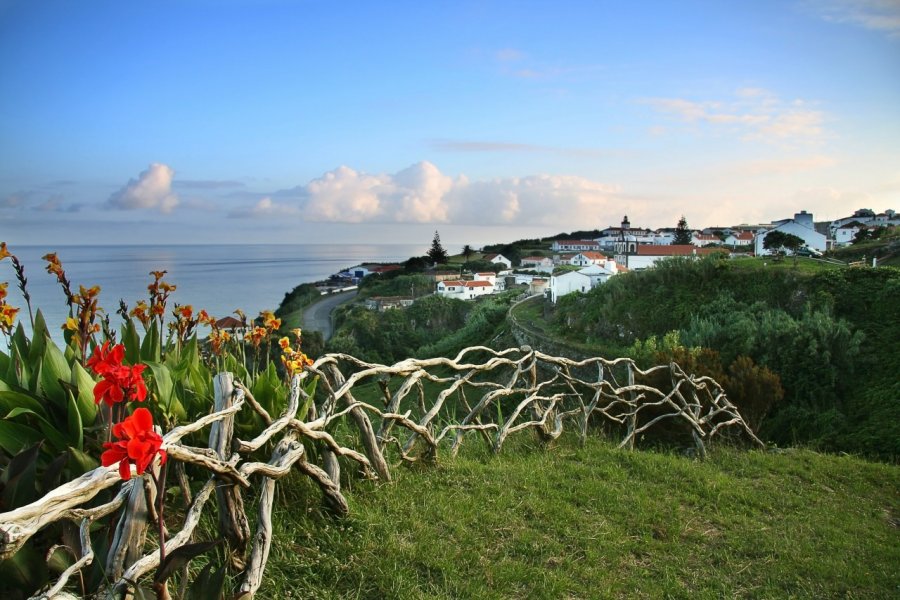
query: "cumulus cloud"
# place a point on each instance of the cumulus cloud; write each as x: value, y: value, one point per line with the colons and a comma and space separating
x: 151, y: 190
x: 345, y: 195
x: 421, y: 193
x: 754, y: 114
x: 266, y: 207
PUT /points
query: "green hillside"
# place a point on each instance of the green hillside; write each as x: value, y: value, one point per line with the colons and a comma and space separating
x: 831, y: 336
x: 595, y: 522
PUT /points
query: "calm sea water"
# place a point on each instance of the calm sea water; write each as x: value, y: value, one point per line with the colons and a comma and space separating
x: 218, y: 278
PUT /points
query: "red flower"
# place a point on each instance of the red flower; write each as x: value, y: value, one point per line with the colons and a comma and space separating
x: 120, y: 383
x: 105, y: 359
x: 138, y: 444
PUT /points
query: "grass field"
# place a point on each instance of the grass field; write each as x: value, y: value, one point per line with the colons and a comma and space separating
x: 596, y: 522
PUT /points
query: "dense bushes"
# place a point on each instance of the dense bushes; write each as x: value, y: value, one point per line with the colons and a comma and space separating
x: 298, y: 298
x: 432, y: 326
x: 832, y: 338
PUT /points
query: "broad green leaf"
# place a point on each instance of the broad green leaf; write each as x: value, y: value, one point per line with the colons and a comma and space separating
x: 83, y: 462
x: 24, y: 570
x: 132, y: 342
x: 19, y: 477
x: 56, y: 437
x: 76, y: 430
x: 85, y: 399
x: 20, y: 340
x: 39, y: 337
x: 10, y: 400
x: 53, y: 369
x: 162, y: 382
x: 15, y: 436
x: 151, y: 349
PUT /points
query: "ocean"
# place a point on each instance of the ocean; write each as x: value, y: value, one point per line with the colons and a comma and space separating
x: 217, y: 278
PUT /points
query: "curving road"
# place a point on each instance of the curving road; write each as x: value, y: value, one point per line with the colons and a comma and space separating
x: 317, y: 317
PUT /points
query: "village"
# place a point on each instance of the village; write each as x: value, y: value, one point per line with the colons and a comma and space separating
x: 579, y: 265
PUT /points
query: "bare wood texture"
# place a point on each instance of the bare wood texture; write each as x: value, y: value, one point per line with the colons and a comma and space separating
x: 424, y: 407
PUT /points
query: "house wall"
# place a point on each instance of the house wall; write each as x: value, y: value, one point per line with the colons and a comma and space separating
x: 568, y: 283
x: 810, y: 237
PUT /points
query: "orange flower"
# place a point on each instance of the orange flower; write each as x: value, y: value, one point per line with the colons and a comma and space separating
x: 285, y: 344
x: 90, y: 292
x: 3, y: 251
x: 7, y: 317
x: 185, y: 312
x: 3, y: 286
x: 157, y: 275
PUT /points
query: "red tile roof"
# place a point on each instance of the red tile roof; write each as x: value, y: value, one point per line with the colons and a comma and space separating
x: 674, y: 250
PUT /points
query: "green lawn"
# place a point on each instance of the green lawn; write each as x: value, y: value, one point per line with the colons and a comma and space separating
x: 595, y: 522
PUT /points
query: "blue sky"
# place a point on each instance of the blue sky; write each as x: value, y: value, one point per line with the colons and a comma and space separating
x: 313, y: 121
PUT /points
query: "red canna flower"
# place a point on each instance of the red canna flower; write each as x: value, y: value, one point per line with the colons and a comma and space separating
x: 120, y: 382
x: 138, y: 444
x: 105, y: 359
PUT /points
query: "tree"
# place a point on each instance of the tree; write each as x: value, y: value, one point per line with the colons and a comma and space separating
x: 467, y: 252
x: 779, y: 241
x: 437, y: 253
x: 682, y: 233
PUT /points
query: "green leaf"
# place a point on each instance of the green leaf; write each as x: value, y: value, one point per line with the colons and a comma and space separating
x: 24, y: 570
x: 10, y: 400
x: 132, y: 342
x: 54, y: 369
x: 182, y: 556
x: 39, y: 337
x: 83, y: 462
x: 15, y: 436
x: 76, y: 430
x: 162, y: 382
x: 151, y: 349
x: 85, y: 398
x: 57, y: 438
x: 19, y: 476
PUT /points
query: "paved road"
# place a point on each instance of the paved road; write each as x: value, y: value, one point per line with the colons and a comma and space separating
x: 317, y: 317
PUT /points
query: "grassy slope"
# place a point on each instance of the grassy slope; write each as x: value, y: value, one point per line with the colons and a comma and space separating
x: 596, y: 522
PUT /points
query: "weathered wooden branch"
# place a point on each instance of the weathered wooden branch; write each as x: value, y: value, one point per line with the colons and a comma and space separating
x: 517, y: 390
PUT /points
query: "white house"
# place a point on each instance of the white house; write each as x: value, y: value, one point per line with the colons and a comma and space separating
x: 573, y: 281
x: 464, y: 290
x: 845, y: 234
x: 498, y: 285
x: 704, y: 239
x: 575, y: 245
x: 538, y: 263
x: 645, y: 256
x: 600, y: 274
x: 801, y: 225
x: 740, y: 238
x: 498, y: 259
x: 584, y: 259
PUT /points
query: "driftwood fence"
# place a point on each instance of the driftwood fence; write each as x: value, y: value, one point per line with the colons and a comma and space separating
x: 420, y: 408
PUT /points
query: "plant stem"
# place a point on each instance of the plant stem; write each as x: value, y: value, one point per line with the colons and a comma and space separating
x: 160, y: 493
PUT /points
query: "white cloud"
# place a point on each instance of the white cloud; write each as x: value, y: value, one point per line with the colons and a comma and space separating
x: 755, y: 114
x: 345, y: 195
x: 422, y: 194
x: 151, y: 190
x: 266, y: 207
x: 877, y: 15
